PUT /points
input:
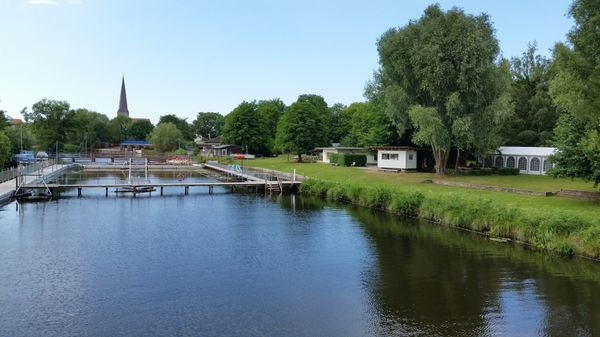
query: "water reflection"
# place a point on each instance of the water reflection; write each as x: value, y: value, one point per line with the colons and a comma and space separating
x: 438, y: 282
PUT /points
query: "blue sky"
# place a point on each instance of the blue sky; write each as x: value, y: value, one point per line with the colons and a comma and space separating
x: 187, y: 56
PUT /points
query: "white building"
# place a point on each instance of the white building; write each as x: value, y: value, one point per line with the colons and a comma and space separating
x: 327, y: 151
x: 397, y: 158
x: 529, y: 160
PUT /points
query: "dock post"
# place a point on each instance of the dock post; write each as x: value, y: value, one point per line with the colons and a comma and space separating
x: 106, y: 192
x: 187, y: 190
x: 79, y: 191
x: 161, y: 190
x: 210, y: 189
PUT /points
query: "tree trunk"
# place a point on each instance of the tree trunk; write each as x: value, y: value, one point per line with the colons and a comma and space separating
x: 457, y: 157
x: 441, y: 160
x: 299, y: 157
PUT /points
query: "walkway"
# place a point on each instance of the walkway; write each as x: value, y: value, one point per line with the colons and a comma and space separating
x: 7, y: 188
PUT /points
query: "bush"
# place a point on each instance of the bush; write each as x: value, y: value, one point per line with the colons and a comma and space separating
x: 333, y: 158
x: 351, y: 159
x: 505, y: 171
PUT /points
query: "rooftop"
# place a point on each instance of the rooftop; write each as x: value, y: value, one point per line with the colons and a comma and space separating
x: 527, y: 151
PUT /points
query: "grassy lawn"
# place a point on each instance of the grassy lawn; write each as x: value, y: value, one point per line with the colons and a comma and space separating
x: 413, y: 181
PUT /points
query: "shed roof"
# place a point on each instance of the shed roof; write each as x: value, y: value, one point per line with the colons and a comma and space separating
x: 340, y: 148
x: 225, y: 146
x: 527, y: 151
x: 393, y: 148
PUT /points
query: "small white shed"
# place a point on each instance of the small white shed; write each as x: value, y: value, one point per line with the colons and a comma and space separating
x: 397, y: 158
x: 529, y: 160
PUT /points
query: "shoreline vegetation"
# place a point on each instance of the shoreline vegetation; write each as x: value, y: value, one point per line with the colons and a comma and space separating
x: 568, y: 227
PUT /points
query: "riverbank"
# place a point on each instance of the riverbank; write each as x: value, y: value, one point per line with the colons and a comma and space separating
x: 568, y: 226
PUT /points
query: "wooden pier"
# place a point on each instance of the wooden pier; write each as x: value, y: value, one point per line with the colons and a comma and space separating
x: 135, y: 189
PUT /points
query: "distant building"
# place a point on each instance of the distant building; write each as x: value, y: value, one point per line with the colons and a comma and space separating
x: 130, y: 145
x: 123, y: 110
x: 529, y: 160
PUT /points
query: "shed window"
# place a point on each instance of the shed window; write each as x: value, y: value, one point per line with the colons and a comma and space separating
x: 510, y: 162
x: 410, y: 156
x: 499, y: 162
x: 523, y: 164
x: 535, y: 165
x: 389, y: 156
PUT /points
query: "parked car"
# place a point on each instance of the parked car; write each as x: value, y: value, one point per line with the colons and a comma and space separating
x: 41, y: 156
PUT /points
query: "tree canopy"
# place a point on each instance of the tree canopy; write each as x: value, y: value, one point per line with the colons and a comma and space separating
x: 369, y: 126
x: 51, y: 122
x: 302, y: 127
x: 208, y: 124
x: 576, y: 91
x: 140, y: 129
x: 243, y: 127
x: 442, y: 74
x: 166, y: 137
x: 180, y: 123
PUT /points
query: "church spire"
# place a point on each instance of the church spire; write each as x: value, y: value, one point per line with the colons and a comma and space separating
x: 123, y: 101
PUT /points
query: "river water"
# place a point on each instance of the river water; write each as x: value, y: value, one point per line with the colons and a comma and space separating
x: 231, y: 264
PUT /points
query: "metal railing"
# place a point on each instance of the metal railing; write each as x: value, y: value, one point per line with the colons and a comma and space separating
x: 12, y: 173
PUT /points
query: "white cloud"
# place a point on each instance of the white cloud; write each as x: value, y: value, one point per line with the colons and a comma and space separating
x: 52, y: 2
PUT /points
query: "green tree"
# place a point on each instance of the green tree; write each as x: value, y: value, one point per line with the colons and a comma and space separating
x: 269, y: 112
x: 89, y: 129
x: 576, y: 91
x: 166, y: 137
x: 369, y: 126
x: 51, y: 122
x: 3, y: 120
x: 341, y: 122
x: 118, y: 128
x: 325, y: 114
x: 140, y: 129
x: 535, y: 112
x: 16, y: 134
x: 208, y: 124
x: 180, y: 123
x: 5, y: 150
x: 243, y: 127
x: 302, y: 127
x: 442, y: 74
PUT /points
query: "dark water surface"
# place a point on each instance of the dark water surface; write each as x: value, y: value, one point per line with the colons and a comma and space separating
x: 248, y: 265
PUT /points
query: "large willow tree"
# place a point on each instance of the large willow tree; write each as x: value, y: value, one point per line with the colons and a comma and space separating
x: 442, y: 75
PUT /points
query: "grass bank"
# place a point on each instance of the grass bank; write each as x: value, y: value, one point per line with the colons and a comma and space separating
x: 568, y: 226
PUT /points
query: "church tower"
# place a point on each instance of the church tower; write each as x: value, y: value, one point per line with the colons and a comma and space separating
x: 123, y: 111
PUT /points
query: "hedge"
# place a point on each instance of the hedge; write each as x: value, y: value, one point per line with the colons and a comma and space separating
x: 351, y: 159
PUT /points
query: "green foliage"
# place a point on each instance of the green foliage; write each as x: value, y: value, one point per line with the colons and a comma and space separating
x: 576, y: 91
x: 89, y: 129
x: 302, y: 126
x: 166, y: 137
x: 269, y: 112
x: 140, y: 129
x: 208, y: 124
x: 351, y: 159
x: 439, y: 73
x: 369, y: 126
x: 15, y: 134
x: 181, y: 124
x: 341, y: 122
x: 51, y: 122
x: 118, y: 128
x: 3, y: 121
x: 5, y: 150
x: 71, y: 148
x: 243, y: 127
x: 180, y: 152
x: 535, y: 113
x: 506, y: 171
x: 334, y: 158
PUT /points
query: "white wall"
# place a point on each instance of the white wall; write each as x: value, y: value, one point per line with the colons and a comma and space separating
x: 402, y: 162
x: 528, y: 168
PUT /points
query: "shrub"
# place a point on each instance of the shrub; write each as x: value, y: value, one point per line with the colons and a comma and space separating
x: 348, y: 159
x: 406, y: 203
x: 333, y: 158
x: 505, y: 171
